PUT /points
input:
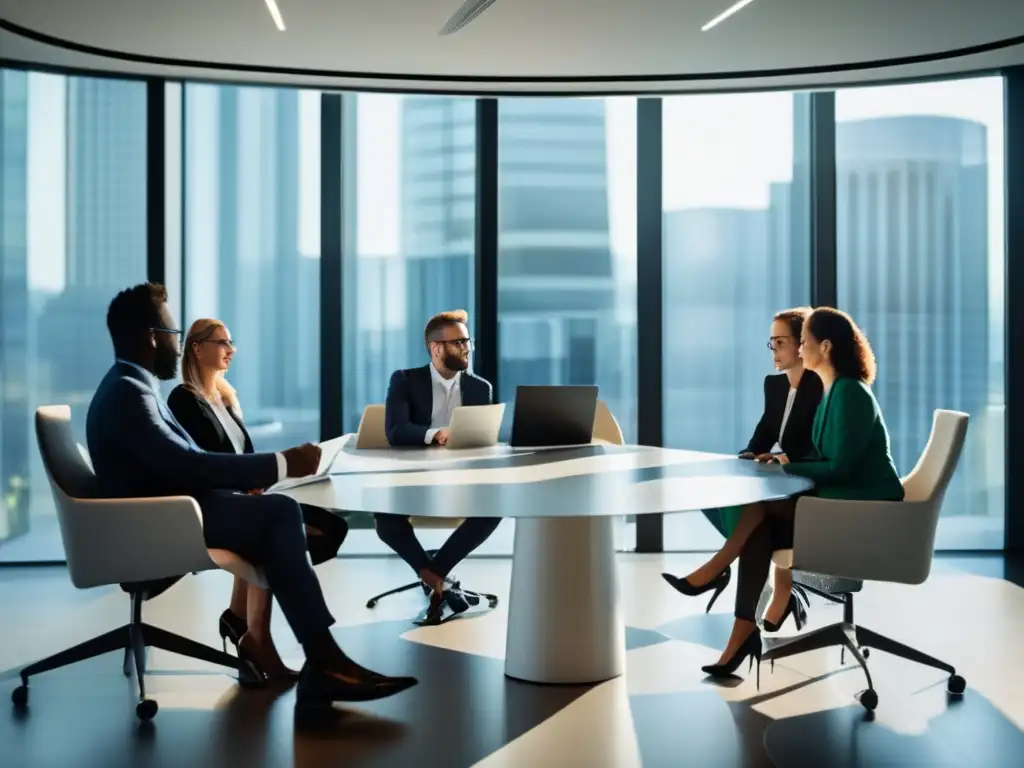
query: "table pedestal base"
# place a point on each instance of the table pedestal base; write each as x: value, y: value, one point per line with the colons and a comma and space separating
x: 564, y: 620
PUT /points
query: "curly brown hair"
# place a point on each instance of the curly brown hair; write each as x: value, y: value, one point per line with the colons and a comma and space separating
x: 851, y: 353
x: 795, y: 318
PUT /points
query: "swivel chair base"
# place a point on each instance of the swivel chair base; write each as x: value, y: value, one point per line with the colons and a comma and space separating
x: 473, y: 598
x: 857, y: 640
x: 134, y: 638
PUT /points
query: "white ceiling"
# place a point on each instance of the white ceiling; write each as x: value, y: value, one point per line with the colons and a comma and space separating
x: 596, y: 46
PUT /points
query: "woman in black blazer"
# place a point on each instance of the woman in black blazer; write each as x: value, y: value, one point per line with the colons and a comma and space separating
x: 791, y: 399
x: 206, y: 406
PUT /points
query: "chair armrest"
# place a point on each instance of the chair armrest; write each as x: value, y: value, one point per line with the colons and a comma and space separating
x: 866, y: 540
x: 111, y: 541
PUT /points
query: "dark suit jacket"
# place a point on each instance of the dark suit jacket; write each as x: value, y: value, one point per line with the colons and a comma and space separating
x: 139, y: 449
x: 200, y: 421
x: 410, y: 402
x: 796, y: 440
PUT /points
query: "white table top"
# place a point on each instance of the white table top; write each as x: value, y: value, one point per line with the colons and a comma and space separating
x: 594, y: 480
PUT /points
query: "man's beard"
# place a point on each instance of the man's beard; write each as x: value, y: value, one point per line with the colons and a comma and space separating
x: 165, y: 366
x: 455, y: 363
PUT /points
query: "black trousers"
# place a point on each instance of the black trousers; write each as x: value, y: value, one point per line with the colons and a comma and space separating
x: 774, y: 533
x: 397, y: 532
x: 331, y: 532
x: 269, y: 532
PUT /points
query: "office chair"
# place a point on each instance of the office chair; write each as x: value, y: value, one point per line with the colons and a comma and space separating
x: 370, y: 435
x: 845, y: 543
x: 145, y: 545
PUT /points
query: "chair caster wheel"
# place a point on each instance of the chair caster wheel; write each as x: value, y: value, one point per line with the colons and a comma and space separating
x: 956, y: 685
x: 868, y: 699
x: 371, y: 603
x: 866, y: 652
x: 19, y: 696
x: 146, y: 710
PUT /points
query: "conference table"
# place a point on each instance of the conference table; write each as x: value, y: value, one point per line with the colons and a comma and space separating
x: 565, y: 621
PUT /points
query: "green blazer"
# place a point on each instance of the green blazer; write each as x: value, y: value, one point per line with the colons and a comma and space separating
x: 851, y: 443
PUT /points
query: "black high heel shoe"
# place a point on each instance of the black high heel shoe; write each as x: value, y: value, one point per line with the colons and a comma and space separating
x: 792, y: 607
x: 718, y: 584
x: 751, y: 648
x: 231, y: 628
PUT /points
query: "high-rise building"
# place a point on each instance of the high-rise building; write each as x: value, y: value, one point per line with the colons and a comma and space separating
x: 105, y: 226
x: 913, y: 271
x: 244, y: 263
x: 14, y: 304
x: 106, y: 169
x: 719, y: 296
x: 556, y: 292
x: 556, y: 289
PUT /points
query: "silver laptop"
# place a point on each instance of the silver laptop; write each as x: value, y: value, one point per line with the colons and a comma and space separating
x: 475, y: 426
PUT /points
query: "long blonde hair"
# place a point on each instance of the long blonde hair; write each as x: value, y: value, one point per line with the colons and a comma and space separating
x: 200, y: 331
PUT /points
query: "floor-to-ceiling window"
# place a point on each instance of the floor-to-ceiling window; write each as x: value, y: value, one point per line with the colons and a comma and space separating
x: 252, y: 247
x: 409, y: 227
x: 735, y: 250
x: 920, y: 266
x: 72, y: 234
x: 567, y: 249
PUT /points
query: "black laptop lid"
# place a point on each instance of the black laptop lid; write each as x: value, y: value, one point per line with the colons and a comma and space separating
x: 548, y: 415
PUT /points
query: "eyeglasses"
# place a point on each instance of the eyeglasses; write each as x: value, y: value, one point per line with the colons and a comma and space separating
x: 175, y: 331
x: 776, y: 341
x: 463, y: 343
x: 225, y: 343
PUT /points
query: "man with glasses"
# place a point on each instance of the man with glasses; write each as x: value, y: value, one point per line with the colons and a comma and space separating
x: 139, y: 449
x: 418, y: 410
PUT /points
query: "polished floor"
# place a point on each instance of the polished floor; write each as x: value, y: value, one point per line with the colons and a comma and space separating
x: 662, y: 712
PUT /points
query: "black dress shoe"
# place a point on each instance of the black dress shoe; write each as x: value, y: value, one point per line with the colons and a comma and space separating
x: 751, y: 648
x: 231, y: 628
x: 456, y: 599
x: 683, y: 585
x: 320, y: 687
x: 434, y: 613
x: 795, y: 607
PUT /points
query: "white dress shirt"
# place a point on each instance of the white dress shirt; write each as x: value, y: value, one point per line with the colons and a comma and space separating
x: 777, y: 448
x: 231, y: 428
x: 447, y: 394
x: 154, y: 383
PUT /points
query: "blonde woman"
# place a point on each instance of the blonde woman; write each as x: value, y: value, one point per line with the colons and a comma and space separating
x: 207, y: 407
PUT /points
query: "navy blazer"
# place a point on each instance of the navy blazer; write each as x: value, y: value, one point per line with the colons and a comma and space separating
x: 410, y: 403
x: 796, y: 440
x: 139, y: 449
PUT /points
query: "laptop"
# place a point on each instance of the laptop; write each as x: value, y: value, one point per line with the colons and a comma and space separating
x: 547, y: 416
x: 475, y: 426
x: 329, y: 452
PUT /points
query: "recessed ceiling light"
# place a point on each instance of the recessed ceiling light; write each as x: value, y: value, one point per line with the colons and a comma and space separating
x: 275, y: 14
x: 719, y: 18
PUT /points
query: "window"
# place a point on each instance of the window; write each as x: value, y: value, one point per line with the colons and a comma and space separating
x: 567, y: 249
x: 72, y: 234
x: 409, y: 222
x: 920, y: 263
x: 252, y: 247
x: 735, y: 250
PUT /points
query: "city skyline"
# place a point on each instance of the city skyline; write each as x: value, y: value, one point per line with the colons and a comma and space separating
x: 738, y: 177
x: 566, y: 247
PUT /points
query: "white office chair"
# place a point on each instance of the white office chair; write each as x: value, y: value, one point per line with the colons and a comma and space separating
x: 371, y: 435
x: 145, y: 545
x: 606, y: 428
x: 859, y: 541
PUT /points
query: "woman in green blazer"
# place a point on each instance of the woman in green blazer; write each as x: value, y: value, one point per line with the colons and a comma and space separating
x: 851, y: 459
